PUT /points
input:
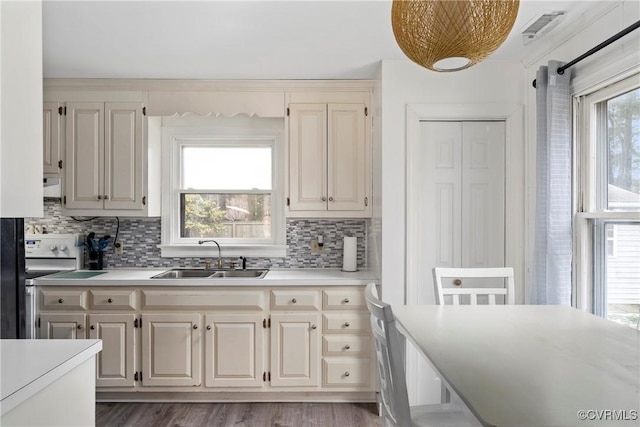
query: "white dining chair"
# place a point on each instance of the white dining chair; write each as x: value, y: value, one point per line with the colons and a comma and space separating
x: 460, y: 274
x: 395, y: 410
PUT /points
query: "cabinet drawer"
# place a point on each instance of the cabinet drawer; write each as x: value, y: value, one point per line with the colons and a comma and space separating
x: 346, y: 345
x: 232, y: 299
x: 347, y: 323
x: 62, y: 300
x: 294, y: 300
x: 343, y: 299
x: 346, y: 372
x: 113, y: 300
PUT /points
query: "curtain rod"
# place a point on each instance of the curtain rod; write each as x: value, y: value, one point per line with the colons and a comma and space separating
x: 602, y: 45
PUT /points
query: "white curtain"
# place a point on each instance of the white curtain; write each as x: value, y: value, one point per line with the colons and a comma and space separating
x: 553, y: 244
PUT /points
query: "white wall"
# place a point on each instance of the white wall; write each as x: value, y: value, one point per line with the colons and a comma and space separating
x: 21, y: 109
x: 406, y: 83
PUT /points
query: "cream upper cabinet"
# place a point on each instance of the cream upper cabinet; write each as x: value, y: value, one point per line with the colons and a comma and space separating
x: 51, y: 139
x: 105, y: 156
x: 115, y: 363
x: 329, y: 157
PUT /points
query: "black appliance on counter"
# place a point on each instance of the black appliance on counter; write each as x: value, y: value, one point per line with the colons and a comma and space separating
x: 12, y: 272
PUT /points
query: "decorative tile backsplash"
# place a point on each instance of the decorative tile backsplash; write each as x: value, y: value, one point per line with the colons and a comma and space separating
x: 141, y: 237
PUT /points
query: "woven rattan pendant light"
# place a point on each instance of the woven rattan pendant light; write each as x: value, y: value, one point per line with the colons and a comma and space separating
x: 451, y: 35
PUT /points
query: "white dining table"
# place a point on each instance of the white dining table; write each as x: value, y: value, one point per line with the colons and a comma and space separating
x: 522, y: 365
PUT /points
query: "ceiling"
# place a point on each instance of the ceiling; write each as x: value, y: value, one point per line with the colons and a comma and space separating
x: 239, y: 39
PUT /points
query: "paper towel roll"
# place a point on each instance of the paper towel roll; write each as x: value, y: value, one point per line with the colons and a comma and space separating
x: 349, y: 255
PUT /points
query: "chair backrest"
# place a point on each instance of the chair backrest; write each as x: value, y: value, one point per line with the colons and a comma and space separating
x: 473, y: 292
x: 393, y: 386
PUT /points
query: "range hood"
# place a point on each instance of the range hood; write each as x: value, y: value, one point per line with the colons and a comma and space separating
x: 52, y: 188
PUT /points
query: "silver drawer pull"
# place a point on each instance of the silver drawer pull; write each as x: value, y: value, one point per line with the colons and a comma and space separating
x: 346, y: 324
x: 347, y: 347
x: 293, y: 301
x: 313, y: 326
x: 208, y: 327
x: 346, y: 301
x: 346, y: 374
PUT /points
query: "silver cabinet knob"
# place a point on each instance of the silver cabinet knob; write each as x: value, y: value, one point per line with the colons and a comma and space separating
x: 195, y: 326
x: 331, y: 199
x: 346, y: 374
x: 324, y: 199
x: 347, y: 347
x: 346, y: 324
x: 346, y: 301
x: 313, y: 326
x: 208, y: 327
x: 293, y: 301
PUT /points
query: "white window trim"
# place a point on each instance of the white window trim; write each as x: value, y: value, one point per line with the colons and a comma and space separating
x: 173, y: 246
x: 586, y: 183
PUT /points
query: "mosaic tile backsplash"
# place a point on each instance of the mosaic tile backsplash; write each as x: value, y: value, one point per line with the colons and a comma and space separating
x: 141, y: 237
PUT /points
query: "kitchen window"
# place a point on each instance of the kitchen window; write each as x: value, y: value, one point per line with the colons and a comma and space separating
x: 225, y: 187
x: 608, y: 217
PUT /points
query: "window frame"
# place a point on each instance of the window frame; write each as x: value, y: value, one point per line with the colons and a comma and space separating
x: 590, y: 181
x: 174, y: 139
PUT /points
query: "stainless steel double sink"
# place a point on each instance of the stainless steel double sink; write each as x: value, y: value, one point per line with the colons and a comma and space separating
x: 198, y: 273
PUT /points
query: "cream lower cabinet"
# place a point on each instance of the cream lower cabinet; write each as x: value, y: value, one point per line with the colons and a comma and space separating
x: 115, y: 363
x: 295, y: 355
x: 171, y: 349
x: 298, y: 342
x: 234, y: 348
x: 62, y: 326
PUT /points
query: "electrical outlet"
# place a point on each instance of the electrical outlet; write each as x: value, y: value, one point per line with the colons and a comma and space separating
x: 119, y: 248
x: 315, y: 248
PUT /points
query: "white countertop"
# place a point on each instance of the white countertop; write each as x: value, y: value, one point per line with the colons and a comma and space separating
x: 28, y: 366
x: 275, y: 277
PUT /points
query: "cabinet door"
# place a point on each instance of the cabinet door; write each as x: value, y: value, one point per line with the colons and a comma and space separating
x: 124, y: 161
x: 295, y: 350
x: 308, y: 157
x: 51, y: 147
x: 62, y: 326
x: 115, y: 363
x: 234, y: 350
x: 84, y: 186
x: 347, y: 157
x: 170, y: 349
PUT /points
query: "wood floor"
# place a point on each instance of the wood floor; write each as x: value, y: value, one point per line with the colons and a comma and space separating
x: 237, y: 414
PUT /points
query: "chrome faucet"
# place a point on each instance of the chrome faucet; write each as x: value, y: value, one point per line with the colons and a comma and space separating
x: 219, y: 257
